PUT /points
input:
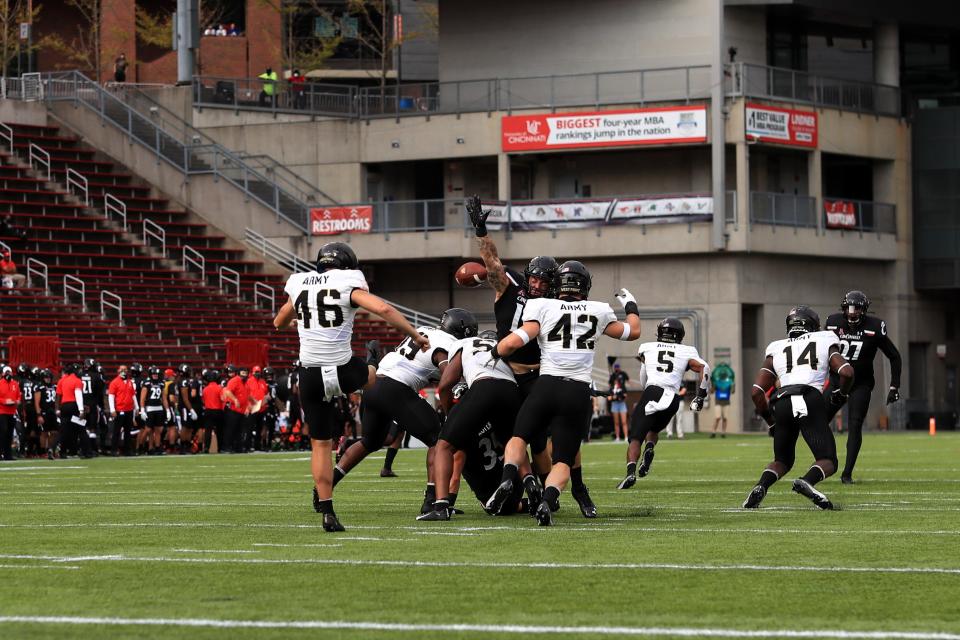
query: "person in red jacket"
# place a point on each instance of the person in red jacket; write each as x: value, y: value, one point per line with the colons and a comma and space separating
x: 257, y: 387
x: 9, y: 400
x: 212, y: 411
x: 237, y: 411
x: 73, y: 426
x: 123, y: 405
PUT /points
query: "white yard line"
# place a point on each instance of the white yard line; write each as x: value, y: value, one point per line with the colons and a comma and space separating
x: 403, y: 627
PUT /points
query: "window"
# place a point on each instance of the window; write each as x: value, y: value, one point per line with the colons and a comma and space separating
x: 917, y: 365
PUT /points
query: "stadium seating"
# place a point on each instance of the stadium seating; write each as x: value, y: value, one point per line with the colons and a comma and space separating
x: 170, y: 315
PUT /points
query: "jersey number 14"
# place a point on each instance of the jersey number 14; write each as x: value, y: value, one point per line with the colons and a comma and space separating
x: 808, y: 356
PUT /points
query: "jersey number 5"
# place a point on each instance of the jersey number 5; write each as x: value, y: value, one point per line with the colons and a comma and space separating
x: 563, y: 331
x: 808, y: 356
x: 408, y: 349
x: 302, y: 305
x: 665, y: 358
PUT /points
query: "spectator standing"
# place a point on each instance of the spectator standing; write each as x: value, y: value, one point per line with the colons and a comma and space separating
x: 237, y: 411
x: 120, y: 68
x: 618, y: 402
x: 268, y: 93
x: 9, y: 400
x: 121, y: 396
x: 8, y: 272
x: 257, y: 388
x: 298, y: 85
x: 723, y: 387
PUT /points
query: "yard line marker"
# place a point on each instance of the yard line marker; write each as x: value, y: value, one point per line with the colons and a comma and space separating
x: 214, y: 551
x: 491, y: 565
x: 37, y: 566
x: 47, y: 468
x: 284, y: 544
x: 403, y: 627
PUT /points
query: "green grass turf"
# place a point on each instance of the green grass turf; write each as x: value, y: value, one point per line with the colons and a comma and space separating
x: 904, y: 512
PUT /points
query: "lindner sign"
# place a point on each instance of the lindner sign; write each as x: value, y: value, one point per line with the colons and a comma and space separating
x: 664, y: 125
x: 333, y: 220
x: 785, y: 126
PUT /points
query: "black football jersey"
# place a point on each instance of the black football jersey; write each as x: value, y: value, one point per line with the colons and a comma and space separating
x: 48, y: 396
x: 508, y: 311
x: 93, y: 389
x: 154, y: 393
x: 859, y: 346
x: 27, y: 389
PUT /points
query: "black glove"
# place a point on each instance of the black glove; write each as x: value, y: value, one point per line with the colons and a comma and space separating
x: 893, y: 395
x: 837, y: 398
x: 770, y: 430
x: 478, y: 217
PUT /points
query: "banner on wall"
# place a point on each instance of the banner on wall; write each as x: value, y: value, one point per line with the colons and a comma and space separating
x: 840, y: 214
x: 785, y: 126
x: 333, y: 220
x: 573, y: 215
x: 664, y: 125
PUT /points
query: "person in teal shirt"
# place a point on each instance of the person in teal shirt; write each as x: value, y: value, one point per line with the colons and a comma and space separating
x: 724, y: 385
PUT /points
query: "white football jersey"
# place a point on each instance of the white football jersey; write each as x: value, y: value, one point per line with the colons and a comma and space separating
x: 477, y: 363
x: 325, y: 314
x: 568, y: 334
x: 666, y: 363
x: 804, y: 359
x: 413, y: 367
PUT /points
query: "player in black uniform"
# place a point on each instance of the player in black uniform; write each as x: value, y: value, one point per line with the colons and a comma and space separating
x: 152, y: 411
x: 860, y: 338
x: 136, y: 376
x: 93, y: 391
x: 190, y: 403
x: 511, y: 293
x: 45, y: 405
x: 30, y: 441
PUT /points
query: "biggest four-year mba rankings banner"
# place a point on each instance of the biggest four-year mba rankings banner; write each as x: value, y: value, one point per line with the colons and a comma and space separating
x: 662, y: 125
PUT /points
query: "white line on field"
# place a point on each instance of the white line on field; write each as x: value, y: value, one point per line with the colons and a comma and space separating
x: 281, y: 544
x: 490, y: 565
x: 37, y: 566
x: 679, y: 632
x: 50, y: 468
x: 213, y: 551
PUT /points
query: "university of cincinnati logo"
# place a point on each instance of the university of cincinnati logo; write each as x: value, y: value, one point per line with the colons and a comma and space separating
x: 533, y: 127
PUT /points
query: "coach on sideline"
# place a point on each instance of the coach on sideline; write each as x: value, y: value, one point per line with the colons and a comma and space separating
x: 9, y: 399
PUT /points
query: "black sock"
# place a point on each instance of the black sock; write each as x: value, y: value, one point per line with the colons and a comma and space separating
x: 509, y: 473
x: 441, y: 505
x: 338, y: 475
x: 767, y: 478
x: 388, y: 461
x: 551, y: 494
x: 543, y: 478
x: 452, y: 498
x: 649, y: 446
x: 431, y: 492
x: 814, y: 475
x: 631, y: 468
x: 326, y: 506
x: 576, y: 478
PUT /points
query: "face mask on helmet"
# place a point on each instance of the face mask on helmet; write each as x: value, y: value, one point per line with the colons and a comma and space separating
x: 539, y: 276
x: 854, y: 306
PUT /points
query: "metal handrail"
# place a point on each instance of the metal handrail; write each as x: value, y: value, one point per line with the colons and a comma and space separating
x: 106, y: 303
x: 114, y: 204
x: 75, y: 179
x: 228, y: 276
x: 6, y: 133
x: 5, y: 248
x: 265, y: 291
x: 40, y: 270
x: 193, y: 257
x: 80, y: 288
x: 39, y: 156
x: 152, y: 230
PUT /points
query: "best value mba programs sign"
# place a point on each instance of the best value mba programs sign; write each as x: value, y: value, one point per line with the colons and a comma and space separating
x: 329, y: 221
x: 786, y: 126
x: 664, y: 125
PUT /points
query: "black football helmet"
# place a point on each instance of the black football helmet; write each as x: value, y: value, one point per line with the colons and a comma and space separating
x: 136, y: 370
x: 488, y: 334
x: 35, y: 373
x: 296, y: 365
x: 670, y: 330
x: 89, y: 364
x: 46, y: 376
x: 268, y: 373
x: 230, y: 370
x: 23, y: 370
x: 802, y: 319
x: 185, y: 370
x: 154, y: 374
x: 336, y: 255
x: 854, y: 306
x: 543, y: 268
x: 211, y: 375
x: 573, y: 280
x: 459, y: 323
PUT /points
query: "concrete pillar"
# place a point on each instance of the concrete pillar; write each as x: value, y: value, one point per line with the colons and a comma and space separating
x: 743, y: 184
x: 717, y: 128
x: 886, y: 53
x: 815, y: 184
x: 503, y: 176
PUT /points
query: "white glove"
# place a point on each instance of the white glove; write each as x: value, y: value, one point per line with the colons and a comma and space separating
x: 624, y: 297
x: 193, y: 414
x: 697, y: 405
x: 143, y: 415
x: 169, y: 415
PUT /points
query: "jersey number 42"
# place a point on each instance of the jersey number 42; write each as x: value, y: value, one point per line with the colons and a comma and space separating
x: 563, y: 331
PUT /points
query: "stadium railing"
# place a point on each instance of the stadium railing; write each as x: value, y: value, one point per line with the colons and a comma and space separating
x: 783, y: 209
x: 873, y: 217
x: 468, y: 96
x: 777, y: 83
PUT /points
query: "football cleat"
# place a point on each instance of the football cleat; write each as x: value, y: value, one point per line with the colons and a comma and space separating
x: 50, y: 455
x: 387, y: 473
x: 582, y: 496
x: 543, y: 515
x: 435, y: 515
x: 534, y: 492
x: 499, y: 497
x: 804, y: 488
x: 627, y: 482
x: 644, y: 467
x: 755, y: 497
x: 316, y: 500
x: 427, y: 505
x: 331, y: 524
x: 846, y: 480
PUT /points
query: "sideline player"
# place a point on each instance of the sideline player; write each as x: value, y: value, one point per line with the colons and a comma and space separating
x: 324, y: 302
x: 512, y: 291
x: 860, y: 338
x: 567, y: 329
x: 801, y: 363
x: 152, y: 411
x: 663, y: 364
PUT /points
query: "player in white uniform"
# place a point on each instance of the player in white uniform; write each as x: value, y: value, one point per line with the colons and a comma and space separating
x: 324, y: 303
x: 567, y: 329
x: 663, y: 364
x: 395, y: 396
x: 801, y: 363
x: 490, y: 405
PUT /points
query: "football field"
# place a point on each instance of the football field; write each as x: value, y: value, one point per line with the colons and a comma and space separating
x: 229, y: 547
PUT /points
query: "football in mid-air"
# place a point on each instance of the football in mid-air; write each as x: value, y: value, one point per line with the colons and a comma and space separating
x: 471, y: 274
